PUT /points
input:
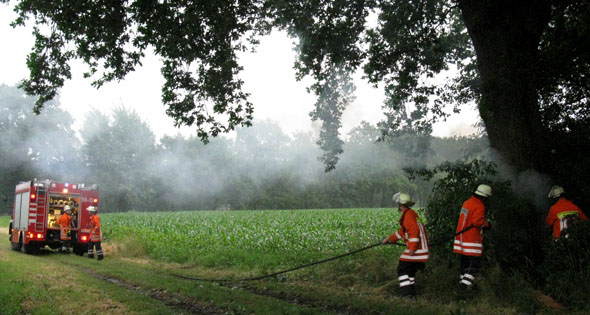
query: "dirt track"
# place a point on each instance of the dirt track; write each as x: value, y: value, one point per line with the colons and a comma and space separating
x: 3, y: 230
x: 173, y: 300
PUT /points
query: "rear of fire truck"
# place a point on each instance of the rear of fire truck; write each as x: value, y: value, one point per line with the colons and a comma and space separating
x: 38, y: 205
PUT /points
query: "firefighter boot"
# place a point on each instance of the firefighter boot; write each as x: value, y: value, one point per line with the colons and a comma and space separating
x: 406, y: 291
x: 412, y: 290
x: 464, y: 292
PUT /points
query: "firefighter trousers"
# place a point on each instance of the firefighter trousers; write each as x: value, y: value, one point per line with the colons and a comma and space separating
x: 469, y: 269
x: 99, y: 252
x: 406, y: 272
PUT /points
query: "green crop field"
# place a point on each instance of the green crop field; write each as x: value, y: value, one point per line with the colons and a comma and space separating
x: 252, y: 239
x: 145, y: 251
x: 4, y: 220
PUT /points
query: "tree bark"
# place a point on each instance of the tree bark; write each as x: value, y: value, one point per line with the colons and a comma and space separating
x: 506, y: 36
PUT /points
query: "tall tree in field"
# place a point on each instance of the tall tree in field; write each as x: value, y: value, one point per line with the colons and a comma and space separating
x: 525, y: 62
x: 34, y: 146
x: 118, y: 153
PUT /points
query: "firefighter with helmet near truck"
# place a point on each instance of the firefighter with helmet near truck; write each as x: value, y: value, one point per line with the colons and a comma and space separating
x: 562, y: 212
x: 65, y: 229
x: 469, y: 237
x: 413, y: 232
x: 95, y: 235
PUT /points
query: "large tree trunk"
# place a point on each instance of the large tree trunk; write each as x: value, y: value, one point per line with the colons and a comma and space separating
x: 506, y: 36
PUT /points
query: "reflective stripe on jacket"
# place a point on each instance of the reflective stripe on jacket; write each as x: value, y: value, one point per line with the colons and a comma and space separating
x: 413, y: 232
x: 64, y: 222
x: 95, y: 234
x: 470, y: 242
x: 560, y: 214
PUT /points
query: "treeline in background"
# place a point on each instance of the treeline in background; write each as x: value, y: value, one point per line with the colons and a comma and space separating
x: 259, y: 167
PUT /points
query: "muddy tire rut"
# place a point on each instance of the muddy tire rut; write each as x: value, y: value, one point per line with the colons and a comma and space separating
x: 301, y: 300
x: 172, y: 300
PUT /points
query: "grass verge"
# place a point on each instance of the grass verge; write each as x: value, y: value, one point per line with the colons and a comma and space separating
x: 4, y: 220
x: 42, y: 285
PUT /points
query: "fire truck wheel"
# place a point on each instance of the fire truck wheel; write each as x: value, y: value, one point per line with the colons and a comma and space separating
x: 19, y: 245
x: 30, y: 248
x: 15, y: 246
x: 79, y: 249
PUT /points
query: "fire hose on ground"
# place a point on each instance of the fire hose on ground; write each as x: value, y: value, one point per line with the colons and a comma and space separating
x: 305, y: 265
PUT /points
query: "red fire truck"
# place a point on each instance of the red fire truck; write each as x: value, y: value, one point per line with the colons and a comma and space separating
x: 38, y: 204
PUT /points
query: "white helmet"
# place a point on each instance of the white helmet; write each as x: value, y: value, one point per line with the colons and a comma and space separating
x: 555, y: 192
x: 483, y: 190
x: 404, y: 199
x: 67, y: 208
x: 91, y: 209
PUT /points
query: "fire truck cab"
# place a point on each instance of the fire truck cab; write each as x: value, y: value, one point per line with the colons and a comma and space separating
x: 38, y: 205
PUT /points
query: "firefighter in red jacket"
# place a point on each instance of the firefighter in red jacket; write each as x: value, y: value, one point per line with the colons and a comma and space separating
x: 562, y: 212
x: 469, y: 243
x: 416, y: 253
x: 65, y: 236
x: 95, y: 235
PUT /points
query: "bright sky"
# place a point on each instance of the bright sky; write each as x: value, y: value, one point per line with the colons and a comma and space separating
x: 268, y: 76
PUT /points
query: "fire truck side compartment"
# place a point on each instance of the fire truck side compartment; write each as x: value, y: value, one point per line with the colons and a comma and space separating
x: 21, y: 215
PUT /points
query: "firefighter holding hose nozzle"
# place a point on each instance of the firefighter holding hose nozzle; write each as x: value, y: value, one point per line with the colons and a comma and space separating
x: 95, y: 235
x: 65, y: 229
x: 413, y: 232
x: 469, y: 238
